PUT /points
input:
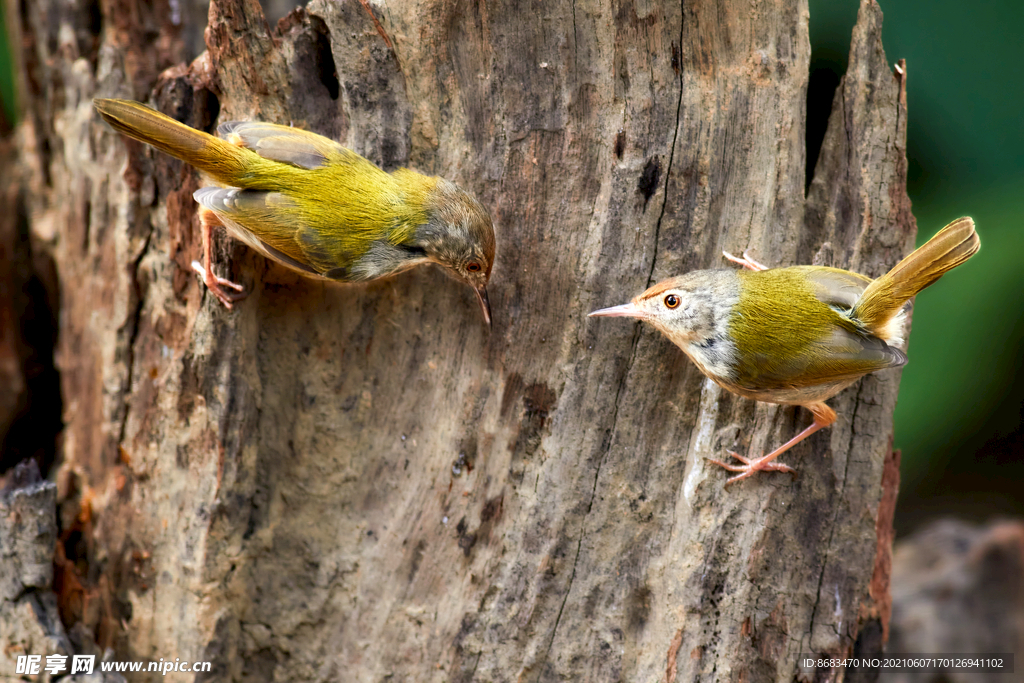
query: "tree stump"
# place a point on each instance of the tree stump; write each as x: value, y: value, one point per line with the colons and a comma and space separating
x: 364, y: 483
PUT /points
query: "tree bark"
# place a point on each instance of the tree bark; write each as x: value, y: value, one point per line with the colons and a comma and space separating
x: 364, y: 483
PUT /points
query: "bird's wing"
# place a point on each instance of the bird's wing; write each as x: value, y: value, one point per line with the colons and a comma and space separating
x: 851, y: 350
x: 842, y: 354
x: 837, y: 288
x: 826, y: 364
x: 850, y: 343
x: 848, y: 353
x: 285, y: 144
x: 802, y: 343
x: 269, y: 223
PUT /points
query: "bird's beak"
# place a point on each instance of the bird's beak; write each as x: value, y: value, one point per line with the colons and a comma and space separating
x: 629, y: 310
x: 485, y: 304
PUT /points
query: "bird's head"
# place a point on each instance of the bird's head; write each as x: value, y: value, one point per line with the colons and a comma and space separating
x: 686, y: 308
x: 459, y: 236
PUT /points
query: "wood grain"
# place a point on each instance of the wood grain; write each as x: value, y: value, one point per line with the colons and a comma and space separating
x: 365, y: 483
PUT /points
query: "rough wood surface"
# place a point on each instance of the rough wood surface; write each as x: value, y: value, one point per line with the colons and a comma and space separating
x: 29, y: 621
x: 364, y: 483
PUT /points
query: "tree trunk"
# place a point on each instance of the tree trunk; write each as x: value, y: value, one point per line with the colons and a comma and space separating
x: 364, y: 483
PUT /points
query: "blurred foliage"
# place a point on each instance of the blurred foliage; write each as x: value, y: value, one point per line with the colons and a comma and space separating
x: 7, y: 106
x: 959, y: 421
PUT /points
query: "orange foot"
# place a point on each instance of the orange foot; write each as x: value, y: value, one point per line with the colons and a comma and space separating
x: 750, y: 465
x: 746, y: 261
x: 214, y: 284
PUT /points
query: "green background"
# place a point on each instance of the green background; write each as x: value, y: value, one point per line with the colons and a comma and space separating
x: 959, y: 419
x: 6, y: 68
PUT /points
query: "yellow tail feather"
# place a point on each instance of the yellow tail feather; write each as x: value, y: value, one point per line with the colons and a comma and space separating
x: 221, y: 160
x: 884, y: 297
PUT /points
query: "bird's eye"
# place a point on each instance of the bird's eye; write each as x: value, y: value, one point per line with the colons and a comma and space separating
x: 473, y: 267
x: 672, y: 301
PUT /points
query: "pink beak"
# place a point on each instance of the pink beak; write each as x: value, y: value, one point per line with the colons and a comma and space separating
x: 629, y: 310
x: 485, y: 304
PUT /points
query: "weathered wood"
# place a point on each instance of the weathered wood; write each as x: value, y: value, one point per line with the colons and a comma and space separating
x: 28, y: 529
x: 364, y: 483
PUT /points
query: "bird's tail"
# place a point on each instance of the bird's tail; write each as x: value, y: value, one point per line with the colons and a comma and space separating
x: 884, y: 297
x: 221, y: 160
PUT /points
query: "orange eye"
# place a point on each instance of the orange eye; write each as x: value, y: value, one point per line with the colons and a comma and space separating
x: 672, y: 301
x: 473, y: 267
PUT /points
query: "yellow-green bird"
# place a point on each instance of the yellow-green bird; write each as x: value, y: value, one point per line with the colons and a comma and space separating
x: 308, y: 203
x: 796, y: 335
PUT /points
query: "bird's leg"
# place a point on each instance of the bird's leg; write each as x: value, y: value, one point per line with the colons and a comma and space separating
x: 208, y: 219
x: 823, y: 417
x: 746, y: 261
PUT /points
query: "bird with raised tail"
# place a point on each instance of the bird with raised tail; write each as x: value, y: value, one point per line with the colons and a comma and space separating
x: 306, y: 202
x: 796, y: 335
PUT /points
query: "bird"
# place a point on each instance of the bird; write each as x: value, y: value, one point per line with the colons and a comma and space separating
x: 796, y: 335
x: 306, y: 202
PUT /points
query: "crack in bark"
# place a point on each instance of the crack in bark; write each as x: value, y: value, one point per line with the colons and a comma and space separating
x: 847, y: 127
x: 632, y: 355
x: 135, y: 320
x: 575, y: 42
x: 671, y: 154
x: 832, y: 529
x: 476, y: 665
x: 593, y: 490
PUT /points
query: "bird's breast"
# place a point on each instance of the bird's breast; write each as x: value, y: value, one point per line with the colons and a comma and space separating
x: 714, y: 356
x: 384, y: 258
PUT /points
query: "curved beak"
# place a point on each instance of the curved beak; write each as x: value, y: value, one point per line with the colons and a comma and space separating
x: 629, y: 310
x: 485, y: 304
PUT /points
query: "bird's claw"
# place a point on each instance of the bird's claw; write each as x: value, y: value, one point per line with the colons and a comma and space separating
x: 749, y: 466
x: 747, y: 262
x: 215, y: 284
